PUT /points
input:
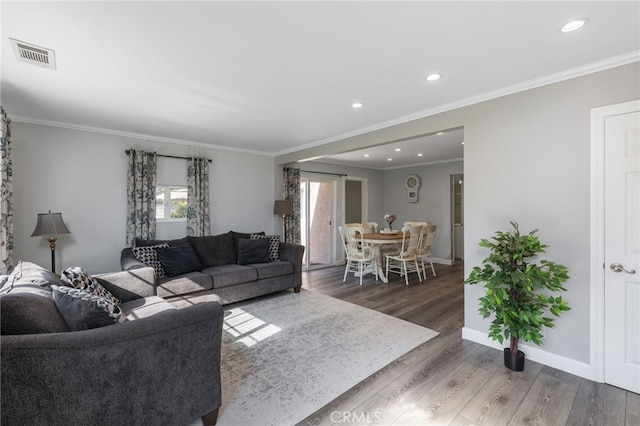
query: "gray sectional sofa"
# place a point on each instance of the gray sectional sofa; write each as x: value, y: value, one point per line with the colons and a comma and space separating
x: 233, y: 266
x: 159, y: 365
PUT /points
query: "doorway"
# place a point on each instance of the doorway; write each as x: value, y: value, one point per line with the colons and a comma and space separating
x: 615, y: 245
x: 317, y: 210
x: 355, y: 200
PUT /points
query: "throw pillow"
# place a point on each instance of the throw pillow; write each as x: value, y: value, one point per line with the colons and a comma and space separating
x: 214, y: 250
x: 82, y: 310
x: 78, y: 278
x: 274, y: 245
x: 253, y: 251
x: 178, y: 260
x: 149, y: 256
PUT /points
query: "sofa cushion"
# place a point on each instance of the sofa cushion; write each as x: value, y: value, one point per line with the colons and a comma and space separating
x: 226, y: 275
x: 82, y: 310
x: 149, y: 256
x: 77, y: 277
x: 26, y: 304
x: 274, y: 245
x: 242, y: 235
x: 214, y: 250
x: 178, y: 260
x: 183, y: 284
x: 273, y: 269
x: 253, y: 251
x: 139, y: 242
x: 145, y: 307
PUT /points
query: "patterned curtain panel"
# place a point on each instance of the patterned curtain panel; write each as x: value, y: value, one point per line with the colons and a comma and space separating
x: 141, y: 195
x: 198, y: 216
x: 6, y: 202
x: 291, y: 191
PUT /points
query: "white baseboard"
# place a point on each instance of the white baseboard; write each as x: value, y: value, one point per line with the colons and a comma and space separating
x: 534, y: 353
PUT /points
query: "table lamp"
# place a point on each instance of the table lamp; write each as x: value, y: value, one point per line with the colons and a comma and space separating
x: 50, y: 224
x: 283, y: 208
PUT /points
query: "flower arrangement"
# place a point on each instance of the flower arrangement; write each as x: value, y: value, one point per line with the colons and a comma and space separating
x: 390, y: 218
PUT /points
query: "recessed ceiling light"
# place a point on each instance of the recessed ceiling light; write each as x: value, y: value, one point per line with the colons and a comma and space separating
x: 389, y: 159
x: 366, y: 155
x: 397, y: 150
x: 420, y: 155
x: 433, y: 77
x: 574, y: 25
x: 440, y: 133
x: 357, y: 105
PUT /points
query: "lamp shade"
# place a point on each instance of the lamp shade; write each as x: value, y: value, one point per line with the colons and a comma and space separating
x: 283, y: 207
x: 50, y: 224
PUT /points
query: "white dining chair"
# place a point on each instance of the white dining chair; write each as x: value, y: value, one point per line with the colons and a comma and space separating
x: 407, y: 260
x: 358, y: 254
x: 424, y: 249
x: 415, y: 223
x: 370, y: 227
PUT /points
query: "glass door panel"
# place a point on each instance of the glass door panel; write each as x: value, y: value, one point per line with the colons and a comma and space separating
x: 316, y: 221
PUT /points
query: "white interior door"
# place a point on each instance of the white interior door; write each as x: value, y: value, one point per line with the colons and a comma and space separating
x: 622, y: 251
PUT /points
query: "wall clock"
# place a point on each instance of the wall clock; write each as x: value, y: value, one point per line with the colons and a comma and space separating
x: 412, y: 183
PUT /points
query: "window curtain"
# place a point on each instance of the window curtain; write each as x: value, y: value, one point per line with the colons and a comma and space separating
x: 198, y: 216
x: 141, y: 195
x: 6, y: 201
x: 291, y: 191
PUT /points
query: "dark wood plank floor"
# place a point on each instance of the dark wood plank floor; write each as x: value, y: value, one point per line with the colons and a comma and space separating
x: 450, y: 381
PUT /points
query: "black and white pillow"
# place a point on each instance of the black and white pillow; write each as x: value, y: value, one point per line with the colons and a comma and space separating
x: 78, y: 278
x: 149, y: 256
x: 82, y: 310
x: 274, y: 245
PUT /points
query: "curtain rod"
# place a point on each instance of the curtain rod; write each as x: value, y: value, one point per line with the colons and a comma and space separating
x: 170, y: 156
x: 325, y: 173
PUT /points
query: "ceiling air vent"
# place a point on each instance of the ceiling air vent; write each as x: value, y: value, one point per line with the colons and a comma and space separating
x: 35, y: 55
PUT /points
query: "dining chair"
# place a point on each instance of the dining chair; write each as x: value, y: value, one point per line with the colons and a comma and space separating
x: 370, y: 227
x: 357, y: 252
x: 424, y: 250
x: 407, y: 260
x: 415, y: 223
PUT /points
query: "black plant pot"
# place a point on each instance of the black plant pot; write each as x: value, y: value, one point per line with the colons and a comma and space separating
x: 513, y: 362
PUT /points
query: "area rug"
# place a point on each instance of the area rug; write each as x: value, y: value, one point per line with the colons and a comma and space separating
x: 287, y: 355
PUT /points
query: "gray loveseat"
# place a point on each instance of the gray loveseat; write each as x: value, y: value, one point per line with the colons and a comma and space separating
x: 233, y: 266
x: 161, y: 366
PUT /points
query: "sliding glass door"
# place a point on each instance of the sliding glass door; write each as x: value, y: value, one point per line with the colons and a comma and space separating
x: 317, y: 199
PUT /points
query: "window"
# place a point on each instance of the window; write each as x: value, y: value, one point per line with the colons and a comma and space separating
x: 171, y: 203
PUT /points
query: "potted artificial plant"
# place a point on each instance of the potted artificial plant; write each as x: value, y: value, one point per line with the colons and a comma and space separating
x: 517, y: 290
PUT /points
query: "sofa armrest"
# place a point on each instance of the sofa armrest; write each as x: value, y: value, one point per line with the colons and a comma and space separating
x: 130, y: 285
x: 293, y: 253
x: 163, y: 369
x: 128, y: 261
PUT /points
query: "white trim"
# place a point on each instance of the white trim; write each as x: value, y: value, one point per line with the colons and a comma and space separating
x: 616, y: 61
x: 533, y: 353
x: 596, y: 295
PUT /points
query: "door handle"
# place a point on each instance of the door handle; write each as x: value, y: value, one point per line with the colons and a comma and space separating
x: 616, y: 267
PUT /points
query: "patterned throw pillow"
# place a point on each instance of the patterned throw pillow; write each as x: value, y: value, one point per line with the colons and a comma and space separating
x: 82, y: 310
x: 274, y: 245
x: 78, y: 278
x: 149, y: 256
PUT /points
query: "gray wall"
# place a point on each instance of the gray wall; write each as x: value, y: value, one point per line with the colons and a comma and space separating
x: 83, y: 175
x: 434, y: 201
x: 527, y: 158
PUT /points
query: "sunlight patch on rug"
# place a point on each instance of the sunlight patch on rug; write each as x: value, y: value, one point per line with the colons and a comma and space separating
x: 287, y: 355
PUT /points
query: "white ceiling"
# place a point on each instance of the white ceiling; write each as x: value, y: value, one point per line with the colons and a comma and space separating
x: 276, y: 77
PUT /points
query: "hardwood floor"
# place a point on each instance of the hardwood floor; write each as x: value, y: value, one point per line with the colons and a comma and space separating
x: 450, y: 381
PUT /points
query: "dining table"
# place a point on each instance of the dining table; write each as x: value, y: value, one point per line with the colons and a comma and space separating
x: 376, y: 240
